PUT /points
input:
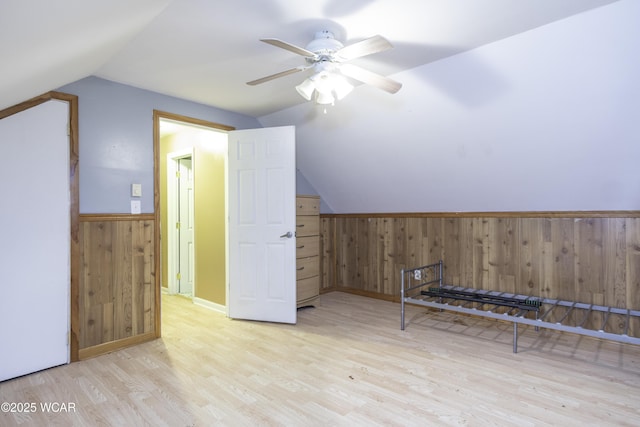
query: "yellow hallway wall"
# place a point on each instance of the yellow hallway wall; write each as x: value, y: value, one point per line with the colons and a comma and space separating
x: 209, y: 148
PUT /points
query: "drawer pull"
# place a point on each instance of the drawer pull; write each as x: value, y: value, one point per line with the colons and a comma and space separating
x: 299, y: 225
x: 301, y: 268
x: 300, y: 247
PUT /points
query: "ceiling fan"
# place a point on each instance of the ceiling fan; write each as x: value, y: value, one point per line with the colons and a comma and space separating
x: 328, y: 58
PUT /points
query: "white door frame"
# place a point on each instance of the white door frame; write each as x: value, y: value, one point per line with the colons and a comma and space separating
x: 173, y: 244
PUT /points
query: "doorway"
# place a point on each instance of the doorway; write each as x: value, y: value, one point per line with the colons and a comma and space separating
x: 191, y: 175
x: 260, y: 156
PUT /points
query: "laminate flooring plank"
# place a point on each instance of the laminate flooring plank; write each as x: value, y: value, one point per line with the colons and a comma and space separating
x: 345, y: 363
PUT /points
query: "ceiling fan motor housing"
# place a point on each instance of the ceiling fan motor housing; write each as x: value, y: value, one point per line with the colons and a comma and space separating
x: 324, y: 44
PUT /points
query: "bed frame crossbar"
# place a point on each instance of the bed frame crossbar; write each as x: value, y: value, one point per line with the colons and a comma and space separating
x: 526, y: 304
x: 424, y: 286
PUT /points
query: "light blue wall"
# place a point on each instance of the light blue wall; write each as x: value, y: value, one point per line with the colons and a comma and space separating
x: 116, y: 140
x: 304, y: 187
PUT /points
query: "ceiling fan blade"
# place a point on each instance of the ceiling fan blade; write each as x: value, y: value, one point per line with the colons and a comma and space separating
x: 365, y: 47
x: 370, y: 78
x: 290, y: 47
x: 277, y: 75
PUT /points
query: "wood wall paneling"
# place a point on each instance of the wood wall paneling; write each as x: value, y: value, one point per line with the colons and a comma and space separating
x: 632, y: 269
x: 573, y: 256
x: 118, y: 295
x: 327, y: 255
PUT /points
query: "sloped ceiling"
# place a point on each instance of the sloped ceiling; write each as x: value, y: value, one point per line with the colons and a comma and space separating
x: 466, y: 66
x: 45, y: 44
x: 545, y: 120
x: 205, y: 50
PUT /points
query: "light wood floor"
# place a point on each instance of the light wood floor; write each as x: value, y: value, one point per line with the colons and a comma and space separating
x: 344, y: 363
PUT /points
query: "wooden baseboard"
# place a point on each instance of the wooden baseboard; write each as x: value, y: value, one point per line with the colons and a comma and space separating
x: 370, y: 294
x: 108, y: 347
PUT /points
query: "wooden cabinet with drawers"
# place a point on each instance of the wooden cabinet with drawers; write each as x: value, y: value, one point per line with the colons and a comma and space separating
x: 307, y: 250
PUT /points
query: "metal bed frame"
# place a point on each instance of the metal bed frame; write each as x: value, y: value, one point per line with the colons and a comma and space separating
x: 424, y: 286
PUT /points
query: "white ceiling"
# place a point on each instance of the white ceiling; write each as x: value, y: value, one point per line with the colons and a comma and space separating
x: 505, y: 105
x: 205, y: 50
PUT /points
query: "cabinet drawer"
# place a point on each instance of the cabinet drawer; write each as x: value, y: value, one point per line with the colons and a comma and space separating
x: 307, y: 225
x: 308, y: 288
x: 307, y: 267
x: 307, y: 246
x: 307, y: 205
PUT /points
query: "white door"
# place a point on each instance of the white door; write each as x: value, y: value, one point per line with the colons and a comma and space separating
x: 185, y: 229
x: 261, y: 192
x: 35, y: 243
x: 180, y: 214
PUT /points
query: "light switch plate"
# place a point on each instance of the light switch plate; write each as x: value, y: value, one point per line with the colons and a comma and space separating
x: 136, y: 190
x: 135, y: 207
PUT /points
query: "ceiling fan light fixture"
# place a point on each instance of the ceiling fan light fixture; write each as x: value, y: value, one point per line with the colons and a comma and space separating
x: 306, y: 88
x: 325, y: 98
x: 341, y: 87
x: 323, y: 81
x: 328, y: 87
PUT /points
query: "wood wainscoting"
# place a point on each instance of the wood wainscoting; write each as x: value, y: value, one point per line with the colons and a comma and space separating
x: 591, y: 257
x: 118, y: 304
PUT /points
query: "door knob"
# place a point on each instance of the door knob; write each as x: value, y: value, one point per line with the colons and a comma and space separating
x: 288, y: 235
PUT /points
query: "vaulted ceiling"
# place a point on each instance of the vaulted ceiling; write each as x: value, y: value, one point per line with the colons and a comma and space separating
x: 485, y: 82
x: 206, y: 50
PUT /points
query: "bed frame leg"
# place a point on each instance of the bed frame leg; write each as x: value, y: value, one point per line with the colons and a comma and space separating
x: 402, y: 300
x: 515, y: 337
